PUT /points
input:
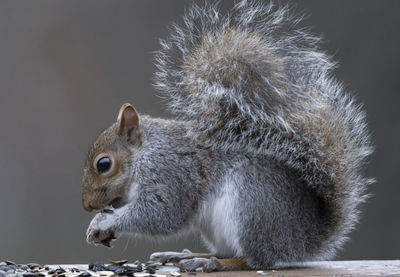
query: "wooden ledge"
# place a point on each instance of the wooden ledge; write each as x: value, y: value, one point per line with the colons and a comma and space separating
x: 320, y: 269
x: 337, y: 268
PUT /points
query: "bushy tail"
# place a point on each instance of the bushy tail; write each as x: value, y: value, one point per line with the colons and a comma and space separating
x: 251, y: 81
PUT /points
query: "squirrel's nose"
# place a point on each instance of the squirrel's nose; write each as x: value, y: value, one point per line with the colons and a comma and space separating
x: 87, y: 205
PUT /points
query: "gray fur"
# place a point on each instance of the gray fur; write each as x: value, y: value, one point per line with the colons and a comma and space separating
x: 251, y: 82
x: 266, y: 139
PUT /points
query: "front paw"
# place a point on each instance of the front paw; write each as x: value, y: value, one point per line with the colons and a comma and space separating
x: 100, y: 230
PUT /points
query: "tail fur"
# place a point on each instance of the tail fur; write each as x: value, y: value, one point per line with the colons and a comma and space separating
x: 251, y: 81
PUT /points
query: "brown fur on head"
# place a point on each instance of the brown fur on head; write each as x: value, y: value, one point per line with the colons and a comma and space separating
x: 108, y: 166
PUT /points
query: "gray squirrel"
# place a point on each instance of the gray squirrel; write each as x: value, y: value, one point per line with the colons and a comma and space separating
x: 264, y: 157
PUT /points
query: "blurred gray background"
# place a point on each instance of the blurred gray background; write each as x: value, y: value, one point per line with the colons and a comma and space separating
x: 67, y: 66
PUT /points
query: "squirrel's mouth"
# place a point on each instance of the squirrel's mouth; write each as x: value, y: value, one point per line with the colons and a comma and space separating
x: 117, y: 202
x: 97, y: 205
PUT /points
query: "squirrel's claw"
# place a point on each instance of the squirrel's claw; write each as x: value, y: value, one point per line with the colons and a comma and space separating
x: 107, y: 241
x: 97, y: 236
x: 98, y: 233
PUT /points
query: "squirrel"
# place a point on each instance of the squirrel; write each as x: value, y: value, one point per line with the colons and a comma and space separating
x: 264, y: 158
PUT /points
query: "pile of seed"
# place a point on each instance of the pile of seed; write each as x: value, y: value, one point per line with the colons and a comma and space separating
x: 9, y: 268
x: 95, y: 269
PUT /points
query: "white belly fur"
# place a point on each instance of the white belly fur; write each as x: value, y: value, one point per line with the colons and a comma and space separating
x: 217, y: 220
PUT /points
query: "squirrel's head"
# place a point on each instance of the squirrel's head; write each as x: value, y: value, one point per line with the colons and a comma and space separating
x: 108, y: 167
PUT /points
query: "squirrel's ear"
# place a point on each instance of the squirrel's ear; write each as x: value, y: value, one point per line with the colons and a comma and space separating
x: 128, y: 122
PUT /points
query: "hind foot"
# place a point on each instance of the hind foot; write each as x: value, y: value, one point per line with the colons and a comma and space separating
x: 207, y: 262
x: 173, y: 257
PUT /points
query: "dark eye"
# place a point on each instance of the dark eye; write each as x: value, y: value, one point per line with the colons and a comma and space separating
x: 103, y: 164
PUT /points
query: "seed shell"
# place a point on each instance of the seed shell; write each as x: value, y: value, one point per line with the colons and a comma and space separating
x: 141, y: 274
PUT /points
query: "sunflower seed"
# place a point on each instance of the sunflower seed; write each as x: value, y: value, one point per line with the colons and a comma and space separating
x: 33, y: 265
x: 141, y: 274
x: 23, y: 266
x: 105, y: 273
x: 10, y: 263
x: 152, y: 264
x: 120, y: 271
x: 121, y: 262
x: 150, y: 270
x: 72, y: 274
x: 60, y: 271
x: 85, y: 274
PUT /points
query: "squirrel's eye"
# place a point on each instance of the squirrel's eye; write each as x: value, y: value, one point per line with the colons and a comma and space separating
x: 103, y: 164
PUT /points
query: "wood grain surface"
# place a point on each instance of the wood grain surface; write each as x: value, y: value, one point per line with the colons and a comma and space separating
x: 336, y: 268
